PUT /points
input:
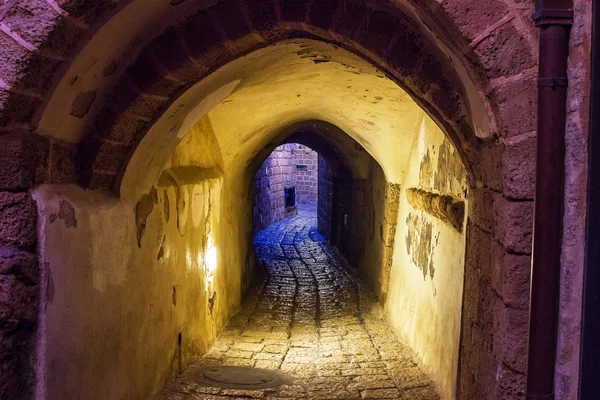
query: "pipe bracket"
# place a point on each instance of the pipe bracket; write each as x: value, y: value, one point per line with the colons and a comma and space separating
x: 553, y: 82
x: 553, y: 16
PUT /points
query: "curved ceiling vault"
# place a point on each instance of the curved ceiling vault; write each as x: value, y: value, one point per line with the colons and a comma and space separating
x: 249, y: 102
x: 141, y: 60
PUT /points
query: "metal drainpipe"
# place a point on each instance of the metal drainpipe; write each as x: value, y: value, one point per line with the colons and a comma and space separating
x: 554, y: 18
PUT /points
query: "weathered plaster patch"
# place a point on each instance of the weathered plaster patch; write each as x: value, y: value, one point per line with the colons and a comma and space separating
x: 449, y: 168
x: 420, y: 243
x: 143, y: 209
x: 82, y: 104
x: 67, y: 214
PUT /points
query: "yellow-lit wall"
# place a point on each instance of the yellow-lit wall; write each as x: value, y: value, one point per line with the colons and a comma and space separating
x: 426, y: 280
x: 115, y: 309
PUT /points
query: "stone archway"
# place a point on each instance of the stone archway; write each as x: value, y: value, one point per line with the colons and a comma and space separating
x: 499, y: 235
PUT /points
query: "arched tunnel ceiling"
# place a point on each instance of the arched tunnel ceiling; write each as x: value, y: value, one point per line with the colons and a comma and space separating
x: 250, y: 101
x: 116, y: 42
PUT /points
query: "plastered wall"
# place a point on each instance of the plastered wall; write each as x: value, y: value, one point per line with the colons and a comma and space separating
x: 424, y: 294
x: 137, y: 291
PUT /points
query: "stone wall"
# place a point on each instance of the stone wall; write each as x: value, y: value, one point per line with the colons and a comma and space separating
x: 277, y: 171
x: 19, y: 269
x: 306, y: 179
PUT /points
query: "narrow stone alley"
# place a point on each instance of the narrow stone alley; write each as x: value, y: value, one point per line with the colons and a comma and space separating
x: 311, y: 318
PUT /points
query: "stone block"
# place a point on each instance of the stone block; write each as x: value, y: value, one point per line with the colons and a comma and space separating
x: 511, y: 335
x: 18, y: 302
x: 16, y: 108
x: 263, y: 15
x: 231, y: 19
x: 518, y: 169
x: 293, y: 10
x: 117, y: 127
x: 64, y: 159
x: 474, y: 18
x: 17, y: 220
x: 516, y: 280
x: 481, y: 208
x: 510, y: 385
x: 404, y: 55
x: 17, y: 169
x: 490, y: 168
x: 126, y: 98
x: 514, y: 224
x: 430, y: 71
x: 477, y: 268
x: 446, y: 97
x: 517, y: 103
x: 42, y: 160
x: 497, y: 253
x: 86, y: 10
x: 101, y: 181
x: 322, y: 12
x: 379, y: 31
x: 203, y: 41
x: 171, y: 55
x: 17, y: 65
x: 146, y: 75
x: 21, y: 264
x: 505, y: 52
x: 110, y: 157
x: 354, y: 18
x: 36, y: 22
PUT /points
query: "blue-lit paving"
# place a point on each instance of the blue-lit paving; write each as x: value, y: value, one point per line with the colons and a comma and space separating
x: 310, y: 317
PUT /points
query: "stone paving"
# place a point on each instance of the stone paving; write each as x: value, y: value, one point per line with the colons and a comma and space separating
x: 311, y: 317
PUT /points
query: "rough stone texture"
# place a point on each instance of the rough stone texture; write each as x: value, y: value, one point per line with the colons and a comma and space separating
x: 518, y: 169
x: 502, y: 53
x: 275, y: 173
x: 306, y: 179
x: 19, y: 274
x: 514, y: 228
x: 16, y: 151
x: 311, y: 317
x: 576, y: 167
x: 517, y: 102
x: 17, y: 220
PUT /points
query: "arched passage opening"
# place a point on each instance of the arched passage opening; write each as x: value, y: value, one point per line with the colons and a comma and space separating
x: 396, y: 212
x: 122, y: 135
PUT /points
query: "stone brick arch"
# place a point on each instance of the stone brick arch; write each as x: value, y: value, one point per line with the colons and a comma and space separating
x: 185, y: 54
x: 501, y: 64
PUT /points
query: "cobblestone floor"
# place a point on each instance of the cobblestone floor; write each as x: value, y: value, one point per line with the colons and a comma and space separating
x: 311, y: 317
